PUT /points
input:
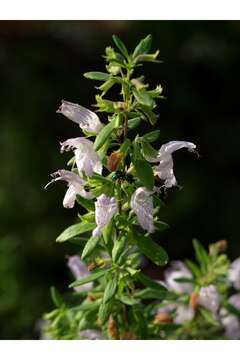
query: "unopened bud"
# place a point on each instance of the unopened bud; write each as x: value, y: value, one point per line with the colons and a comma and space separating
x: 221, y: 245
x: 91, y: 266
x: 194, y: 300
x: 163, y: 318
x: 112, y: 328
x: 128, y: 335
x: 114, y: 160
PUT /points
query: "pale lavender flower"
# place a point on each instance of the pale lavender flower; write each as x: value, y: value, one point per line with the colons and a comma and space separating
x: 164, y: 170
x: 234, y: 273
x: 75, y: 186
x: 91, y: 334
x: 231, y: 325
x: 86, y: 119
x: 184, y: 313
x: 79, y: 271
x: 142, y: 205
x: 235, y: 301
x: 209, y: 298
x: 87, y: 159
x: 178, y: 270
x: 105, y: 209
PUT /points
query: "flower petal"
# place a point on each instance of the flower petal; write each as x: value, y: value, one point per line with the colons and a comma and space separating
x: 142, y: 205
x: 79, y: 271
x: 86, y: 119
x: 209, y: 298
x: 178, y: 270
x: 105, y: 209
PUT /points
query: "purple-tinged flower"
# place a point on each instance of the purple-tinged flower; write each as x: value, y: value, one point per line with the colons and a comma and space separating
x: 235, y: 301
x: 87, y: 159
x: 231, y: 325
x: 164, y: 170
x: 234, y: 273
x: 105, y: 209
x: 91, y: 334
x: 184, y: 313
x: 142, y: 205
x: 86, y: 119
x: 75, y: 186
x: 209, y: 298
x: 178, y: 270
x: 79, y: 271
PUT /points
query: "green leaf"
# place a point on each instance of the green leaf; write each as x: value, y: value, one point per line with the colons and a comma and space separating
x: 143, y: 46
x: 149, y: 114
x: 194, y: 268
x: 118, y: 247
x: 75, y: 230
x: 152, y: 250
x: 89, y: 247
x: 144, y: 172
x: 124, y: 148
x: 208, y: 317
x: 104, y: 311
x: 233, y: 310
x: 118, y: 42
x: 110, y: 289
x: 97, y: 75
x: 56, y: 297
x: 148, y: 57
x: 184, y: 280
x: 86, y: 203
x: 161, y: 226
x: 108, y: 235
x: 94, y: 276
x: 143, y: 97
x: 133, y: 123
x: 151, y: 136
x: 148, y: 282
x: 128, y: 300
x: 148, y: 150
x: 104, y: 134
x: 201, y: 254
x: 107, y: 86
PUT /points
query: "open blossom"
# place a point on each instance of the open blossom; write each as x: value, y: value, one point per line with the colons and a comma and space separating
x: 164, y: 170
x: 91, y: 334
x: 75, y: 186
x: 105, y: 209
x: 87, y: 159
x: 178, y: 270
x: 183, y: 313
x: 231, y: 325
x: 86, y: 119
x: 209, y: 298
x: 79, y: 271
x: 234, y: 274
x: 142, y: 205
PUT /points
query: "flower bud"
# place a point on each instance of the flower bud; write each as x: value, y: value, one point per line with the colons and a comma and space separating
x: 194, y: 300
x: 112, y: 328
x: 163, y: 318
x: 114, y: 160
x: 221, y: 245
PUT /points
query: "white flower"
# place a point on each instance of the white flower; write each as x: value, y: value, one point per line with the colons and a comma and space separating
x: 87, y: 159
x: 91, y: 334
x: 75, y: 186
x: 183, y: 313
x: 105, y: 209
x: 86, y: 119
x: 164, y: 170
x: 209, y: 298
x: 178, y: 270
x: 231, y: 325
x: 142, y: 205
x: 234, y: 274
x: 79, y: 271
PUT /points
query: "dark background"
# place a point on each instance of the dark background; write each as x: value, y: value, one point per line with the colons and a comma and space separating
x: 42, y: 63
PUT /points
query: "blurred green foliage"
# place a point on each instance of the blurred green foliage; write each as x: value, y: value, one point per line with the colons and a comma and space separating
x: 42, y: 63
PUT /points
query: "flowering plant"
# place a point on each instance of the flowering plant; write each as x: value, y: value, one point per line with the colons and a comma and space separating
x: 119, y: 179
